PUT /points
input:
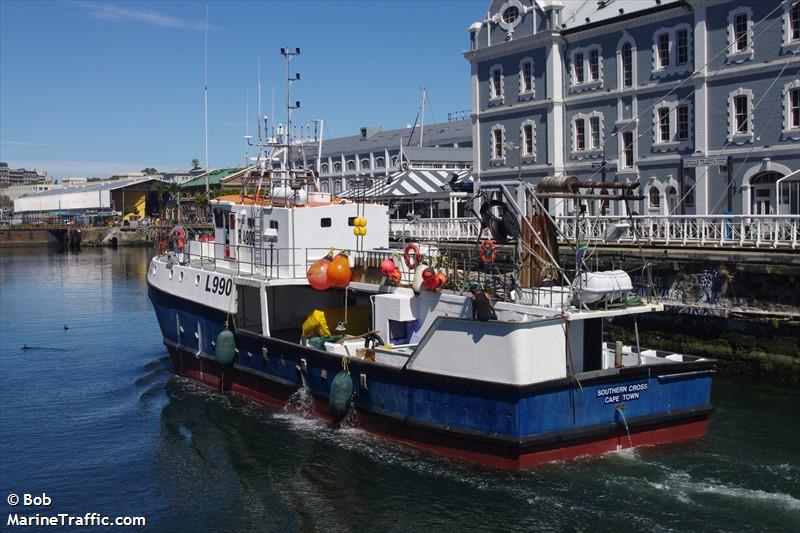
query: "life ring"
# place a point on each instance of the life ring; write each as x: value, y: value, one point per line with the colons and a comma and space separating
x: 407, y: 256
x: 488, y: 251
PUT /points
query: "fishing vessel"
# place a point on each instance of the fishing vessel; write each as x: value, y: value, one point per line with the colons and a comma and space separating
x: 298, y: 289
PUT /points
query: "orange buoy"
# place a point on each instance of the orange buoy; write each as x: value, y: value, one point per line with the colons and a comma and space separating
x: 339, y: 272
x: 388, y: 266
x: 394, y: 276
x: 317, y: 274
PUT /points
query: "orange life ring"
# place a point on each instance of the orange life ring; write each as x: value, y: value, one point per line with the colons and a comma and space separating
x: 488, y: 251
x: 407, y: 256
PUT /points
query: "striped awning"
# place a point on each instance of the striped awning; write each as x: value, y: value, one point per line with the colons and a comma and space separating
x: 410, y: 183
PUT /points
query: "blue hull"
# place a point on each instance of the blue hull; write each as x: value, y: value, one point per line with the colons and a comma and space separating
x: 501, y: 424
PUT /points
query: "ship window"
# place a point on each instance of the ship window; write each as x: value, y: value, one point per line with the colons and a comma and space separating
x: 232, y: 221
x: 351, y: 221
x: 325, y: 222
x: 217, y: 218
x: 273, y: 224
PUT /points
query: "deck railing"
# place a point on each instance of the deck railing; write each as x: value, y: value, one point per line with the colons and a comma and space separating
x: 721, y: 231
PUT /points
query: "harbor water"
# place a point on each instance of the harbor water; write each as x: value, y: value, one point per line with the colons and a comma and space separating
x: 92, y: 415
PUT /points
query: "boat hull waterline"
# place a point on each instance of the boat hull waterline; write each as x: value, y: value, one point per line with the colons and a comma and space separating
x: 501, y: 425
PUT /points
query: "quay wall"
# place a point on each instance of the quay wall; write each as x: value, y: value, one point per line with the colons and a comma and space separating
x: 742, y: 308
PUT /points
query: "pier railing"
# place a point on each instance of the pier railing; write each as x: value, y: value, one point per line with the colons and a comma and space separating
x: 722, y: 231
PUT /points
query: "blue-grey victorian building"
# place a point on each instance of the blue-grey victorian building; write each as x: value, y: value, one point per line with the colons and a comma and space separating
x: 667, y: 92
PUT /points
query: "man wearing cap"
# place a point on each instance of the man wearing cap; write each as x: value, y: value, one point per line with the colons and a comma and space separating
x: 482, y: 308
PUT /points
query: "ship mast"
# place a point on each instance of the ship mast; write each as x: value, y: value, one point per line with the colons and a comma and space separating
x: 288, y: 55
x: 205, y: 96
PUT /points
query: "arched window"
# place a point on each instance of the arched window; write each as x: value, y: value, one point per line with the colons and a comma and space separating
x: 365, y: 164
x: 627, y: 65
x: 324, y: 168
x: 655, y: 197
x: 672, y: 200
x: 349, y: 184
x: 337, y: 186
x: 337, y: 167
x: 351, y: 165
x: 394, y: 161
x: 380, y: 162
x: 326, y: 186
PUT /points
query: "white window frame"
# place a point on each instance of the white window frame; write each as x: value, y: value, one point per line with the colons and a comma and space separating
x: 740, y: 137
x: 496, y: 161
x: 365, y: 165
x: 529, y: 94
x: 528, y: 157
x: 588, y: 151
x: 380, y: 162
x: 734, y: 55
x: 592, y: 144
x: 790, y: 132
x: 493, y: 97
x: 621, y: 166
x: 348, y: 164
x: 789, y: 44
x: 323, y: 168
x: 673, y: 143
x: 510, y: 27
x: 337, y: 167
x: 626, y: 39
x: 677, y: 122
x: 587, y: 84
x: 672, y: 61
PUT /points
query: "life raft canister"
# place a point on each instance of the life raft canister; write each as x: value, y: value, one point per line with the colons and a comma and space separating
x: 488, y: 251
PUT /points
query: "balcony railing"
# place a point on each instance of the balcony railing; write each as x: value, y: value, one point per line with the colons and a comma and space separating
x: 721, y: 231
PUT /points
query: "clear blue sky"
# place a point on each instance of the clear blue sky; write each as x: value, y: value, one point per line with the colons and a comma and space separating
x: 94, y: 88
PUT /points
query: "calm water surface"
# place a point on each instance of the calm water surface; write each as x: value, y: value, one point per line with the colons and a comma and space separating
x: 93, y: 416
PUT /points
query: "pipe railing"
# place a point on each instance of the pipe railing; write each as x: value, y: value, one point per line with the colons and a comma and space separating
x: 721, y: 231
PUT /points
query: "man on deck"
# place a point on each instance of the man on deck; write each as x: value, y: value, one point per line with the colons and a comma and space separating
x: 482, y: 308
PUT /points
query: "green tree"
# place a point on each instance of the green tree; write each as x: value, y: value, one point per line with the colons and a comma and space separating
x: 6, y: 202
x: 149, y: 171
x: 175, y: 192
x: 195, y: 164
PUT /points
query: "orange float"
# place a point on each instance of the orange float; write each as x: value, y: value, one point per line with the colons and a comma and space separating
x: 339, y: 272
x: 317, y: 274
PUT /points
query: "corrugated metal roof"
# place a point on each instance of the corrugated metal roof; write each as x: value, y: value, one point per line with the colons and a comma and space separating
x: 441, y: 133
x: 214, y: 178
x: 107, y: 185
x: 445, y: 155
x: 576, y: 12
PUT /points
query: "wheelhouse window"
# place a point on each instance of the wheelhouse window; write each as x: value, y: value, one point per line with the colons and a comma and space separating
x: 580, y: 135
x: 663, y: 125
x: 663, y: 50
x: 683, y: 122
x: 627, y: 65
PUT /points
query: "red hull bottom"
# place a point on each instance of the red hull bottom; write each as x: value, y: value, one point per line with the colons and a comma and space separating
x: 275, y: 395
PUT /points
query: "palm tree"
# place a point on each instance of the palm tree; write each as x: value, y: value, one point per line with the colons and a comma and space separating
x: 195, y: 164
x: 162, y: 188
